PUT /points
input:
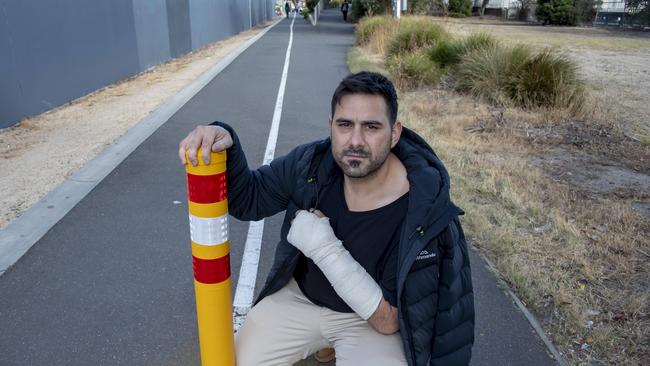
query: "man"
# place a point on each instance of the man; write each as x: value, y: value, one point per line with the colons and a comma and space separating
x: 372, y: 260
x: 287, y: 9
x: 345, y: 6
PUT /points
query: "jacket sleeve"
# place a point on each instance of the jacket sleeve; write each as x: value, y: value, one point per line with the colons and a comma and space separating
x: 256, y: 194
x: 454, y: 323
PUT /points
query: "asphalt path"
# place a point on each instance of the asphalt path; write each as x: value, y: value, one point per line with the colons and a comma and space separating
x: 112, y: 284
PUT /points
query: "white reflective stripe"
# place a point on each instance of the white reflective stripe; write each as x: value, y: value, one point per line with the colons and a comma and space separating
x: 212, y: 231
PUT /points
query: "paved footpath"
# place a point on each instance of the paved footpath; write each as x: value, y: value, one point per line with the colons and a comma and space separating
x: 111, y: 283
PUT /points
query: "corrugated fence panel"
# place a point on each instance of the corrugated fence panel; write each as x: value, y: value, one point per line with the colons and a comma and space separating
x: 210, y: 21
x: 151, y: 32
x: 178, y: 21
x: 64, y: 49
x: 52, y: 52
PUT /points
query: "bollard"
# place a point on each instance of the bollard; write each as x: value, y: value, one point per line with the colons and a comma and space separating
x: 208, y: 211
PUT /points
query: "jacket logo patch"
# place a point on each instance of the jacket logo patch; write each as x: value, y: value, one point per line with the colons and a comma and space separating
x: 425, y: 255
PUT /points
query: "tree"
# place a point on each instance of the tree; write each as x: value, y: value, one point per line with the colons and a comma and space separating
x: 484, y: 4
x: 361, y: 8
x: 419, y: 6
x: 560, y: 12
x: 639, y: 10
x: 441, y: 7
x: 460, y: 8
x: 524, y: 9
x: 587, y: 10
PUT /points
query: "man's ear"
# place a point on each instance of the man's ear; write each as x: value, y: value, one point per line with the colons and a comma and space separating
x: 396, y: 132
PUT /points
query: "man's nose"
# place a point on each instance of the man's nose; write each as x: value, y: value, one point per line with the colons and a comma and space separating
x: 356, y: 137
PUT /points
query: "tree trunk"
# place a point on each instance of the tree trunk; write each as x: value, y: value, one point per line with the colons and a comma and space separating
x: 483, y: 6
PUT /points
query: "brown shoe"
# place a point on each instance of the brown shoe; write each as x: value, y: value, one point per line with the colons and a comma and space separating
x: 325, y: 355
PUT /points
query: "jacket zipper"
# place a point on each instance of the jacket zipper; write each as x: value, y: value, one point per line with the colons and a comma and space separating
x: 314, y: 182
x: 418, y: 230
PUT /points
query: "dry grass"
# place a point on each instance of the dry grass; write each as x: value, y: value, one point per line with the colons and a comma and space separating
x: 571, y: 258
x: 554, y: 36
x: 578, y: 260
x: 613, y: 63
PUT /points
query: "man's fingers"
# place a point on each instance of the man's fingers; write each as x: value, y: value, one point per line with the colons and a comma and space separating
x: 181, y: 152
x: 222, y: 142
x: 208, y: 140
x: 191, y: 146
x: 213, y: 138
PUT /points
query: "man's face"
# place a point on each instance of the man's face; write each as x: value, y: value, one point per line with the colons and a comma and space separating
x: 361, y: 134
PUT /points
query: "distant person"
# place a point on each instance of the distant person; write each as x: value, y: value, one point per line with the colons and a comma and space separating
x: 287, y: 8
x: 344, y: 9
x: 372, y: 259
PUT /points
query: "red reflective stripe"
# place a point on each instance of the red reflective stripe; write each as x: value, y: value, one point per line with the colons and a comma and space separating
x: 211, y: 271
x: 207, y: 188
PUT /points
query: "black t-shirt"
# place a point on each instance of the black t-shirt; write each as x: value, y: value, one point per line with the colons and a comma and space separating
x: 371, y: 237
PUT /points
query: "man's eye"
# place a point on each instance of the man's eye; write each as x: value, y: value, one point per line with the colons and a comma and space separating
x: 372, y: 127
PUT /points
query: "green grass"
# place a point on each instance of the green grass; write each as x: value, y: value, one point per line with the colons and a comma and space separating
x: 446, y: 52
x: 544, y: 79
x: 413, y: 69
x: 521, y: 76
x: 449, y: 52
x: 483, y: 73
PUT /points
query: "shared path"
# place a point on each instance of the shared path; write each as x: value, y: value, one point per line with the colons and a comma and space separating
x: 111, y: 283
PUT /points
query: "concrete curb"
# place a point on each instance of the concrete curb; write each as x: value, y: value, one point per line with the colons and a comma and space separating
x: 23, y: 232
x: 527, y: 314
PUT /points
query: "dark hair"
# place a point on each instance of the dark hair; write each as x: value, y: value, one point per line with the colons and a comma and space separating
x: 372, y: 83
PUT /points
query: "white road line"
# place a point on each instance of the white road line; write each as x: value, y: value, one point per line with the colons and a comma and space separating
x: 248, y: 272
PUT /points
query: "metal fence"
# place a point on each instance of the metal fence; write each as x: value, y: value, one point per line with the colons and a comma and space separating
x: 617, y: 13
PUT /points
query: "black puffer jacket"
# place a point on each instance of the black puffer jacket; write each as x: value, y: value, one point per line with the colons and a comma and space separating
x: 434, y: 287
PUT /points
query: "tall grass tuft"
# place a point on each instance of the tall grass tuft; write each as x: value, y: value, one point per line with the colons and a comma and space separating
x: 415, y: 34
x: 368, y: 28
x: 521, y: 76
x: 484, y: 72
x: 414, y: 69
x: 446, y: 52
x: 478, y: 40
x: 545, y: 79
x: 450, y: 52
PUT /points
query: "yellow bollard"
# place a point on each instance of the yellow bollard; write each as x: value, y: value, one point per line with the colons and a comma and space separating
x: 208, y: 207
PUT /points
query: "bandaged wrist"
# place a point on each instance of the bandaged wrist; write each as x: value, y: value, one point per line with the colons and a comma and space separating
x: 315, y: 238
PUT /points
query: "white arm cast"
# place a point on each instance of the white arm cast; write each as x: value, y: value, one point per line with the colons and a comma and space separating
x: 315, y: 238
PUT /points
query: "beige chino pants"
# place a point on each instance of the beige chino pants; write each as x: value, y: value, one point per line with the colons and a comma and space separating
x: 286, y: 327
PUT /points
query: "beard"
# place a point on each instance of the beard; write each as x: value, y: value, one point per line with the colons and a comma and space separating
x: 358, y: 162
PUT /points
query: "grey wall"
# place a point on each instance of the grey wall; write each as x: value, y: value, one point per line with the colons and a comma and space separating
x: 178, y: 18
x: 52, y: 52
x: 150, y: 16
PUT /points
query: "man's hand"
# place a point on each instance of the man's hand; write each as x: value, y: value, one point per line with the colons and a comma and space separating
x: 384, y: 319
x: 216, y: 137
x: 312, y: 234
